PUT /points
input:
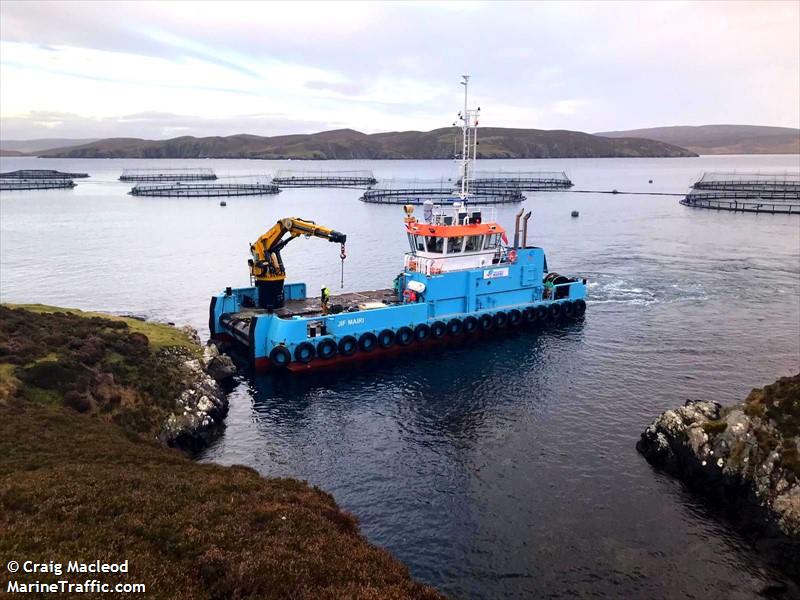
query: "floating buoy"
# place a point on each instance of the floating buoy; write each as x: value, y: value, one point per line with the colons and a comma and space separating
x: 575, y: 213
x: 650, y: 181
x: 223, y: 203
x: 614, y: 191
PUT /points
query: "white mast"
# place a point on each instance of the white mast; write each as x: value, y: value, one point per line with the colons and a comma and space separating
x: 469, y: 142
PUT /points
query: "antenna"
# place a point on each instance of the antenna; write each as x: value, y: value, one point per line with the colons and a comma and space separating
x: 469, y: 141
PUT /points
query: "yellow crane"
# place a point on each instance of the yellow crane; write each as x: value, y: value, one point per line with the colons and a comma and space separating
x: 266, y: 265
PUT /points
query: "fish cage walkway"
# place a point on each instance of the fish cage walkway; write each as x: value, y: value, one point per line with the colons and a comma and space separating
x: 335, y: 179
x: 10, y: 184
x: 41, y: 174
x: 747, y: 192
x: 529, y: 181
x: 742, y: 203
x: 438, y: 190
x: 200, y: 174
x: 205, y: 190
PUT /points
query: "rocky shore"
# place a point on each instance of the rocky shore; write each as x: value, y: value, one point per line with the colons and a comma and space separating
x: 88, y: 407
x: 153, y: 378
x: 200, y: 409
x: 745, y: 457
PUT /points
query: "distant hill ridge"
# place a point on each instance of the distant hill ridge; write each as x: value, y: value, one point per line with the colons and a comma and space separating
x: 721, y: 139
x: 33, y: 146
x: 494, y: 142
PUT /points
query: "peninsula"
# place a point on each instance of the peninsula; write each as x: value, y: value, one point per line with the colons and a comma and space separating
x: 88, y: 404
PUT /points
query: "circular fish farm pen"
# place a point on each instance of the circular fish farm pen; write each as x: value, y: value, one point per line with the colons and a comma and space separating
x: 232, y: 186
x: 41, y: 174
x: 199, y: 174
x: 335, y: 179
x: 747, y: 192
x: 417, y: 191
x: 529, y: 181
x: 11, y: 184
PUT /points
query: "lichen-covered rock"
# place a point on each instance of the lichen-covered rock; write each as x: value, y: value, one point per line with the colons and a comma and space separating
x: 199, y: 410
x: 191, y: 333
x: 203, y: 403
x: 219, y: 366
x: 746, y: 455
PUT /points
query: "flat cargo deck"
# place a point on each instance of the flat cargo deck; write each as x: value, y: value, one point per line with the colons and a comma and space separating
x: 312, y: 307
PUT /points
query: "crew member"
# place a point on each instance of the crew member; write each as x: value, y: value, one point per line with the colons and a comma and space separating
x: 325, y: 297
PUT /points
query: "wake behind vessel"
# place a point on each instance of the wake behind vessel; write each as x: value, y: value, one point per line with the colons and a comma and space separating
x: 460, y: 277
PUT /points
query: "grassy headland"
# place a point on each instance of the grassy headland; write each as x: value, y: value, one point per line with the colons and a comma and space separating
x: 81, y: 477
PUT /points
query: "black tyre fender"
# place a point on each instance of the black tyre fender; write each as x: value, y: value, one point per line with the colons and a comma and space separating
x: 580, y: 307
x: 422, y: 332
x: 404, y: 336
x: 568, y: 310
x: 514, y: 317
x: 529, y: 315
x: 485, y: 322
x: 348, y: 345
x: 367, y: 342
x: 280, y: 356
x: 554, y: 311
x: 541, y: 313
x: 454, y: 327
x: 438, y: 329
x: 327, y: 348
x: 500, y: 319
x: 304, y: 352
x: 470, y: 324
x: 386, y: 338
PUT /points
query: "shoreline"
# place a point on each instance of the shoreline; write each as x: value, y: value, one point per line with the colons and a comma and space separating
x: 90, y: 406
x: 744, y: 458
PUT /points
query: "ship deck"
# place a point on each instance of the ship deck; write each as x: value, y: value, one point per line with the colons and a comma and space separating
x: 312, y: 307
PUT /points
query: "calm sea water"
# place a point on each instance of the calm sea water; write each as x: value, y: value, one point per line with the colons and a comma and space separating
x: 501, y: 470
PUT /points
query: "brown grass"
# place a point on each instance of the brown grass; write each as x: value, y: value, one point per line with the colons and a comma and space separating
x: 79, y: 481
x: 92, y: 364
x: 73, y: 487
x: 780, y: 404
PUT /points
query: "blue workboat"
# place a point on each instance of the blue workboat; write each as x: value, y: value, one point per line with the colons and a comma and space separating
x: 461, y: 277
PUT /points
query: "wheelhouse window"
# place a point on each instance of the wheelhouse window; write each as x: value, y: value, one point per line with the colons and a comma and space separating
x: 492, y: 241
x: 474, y: 243
x: 454, y: 245
x: 420, y: 240
x: 435, y: 244
x: 411, y: 242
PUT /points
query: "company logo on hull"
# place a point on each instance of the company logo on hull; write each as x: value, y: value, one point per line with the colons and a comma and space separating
x: 495, y: 273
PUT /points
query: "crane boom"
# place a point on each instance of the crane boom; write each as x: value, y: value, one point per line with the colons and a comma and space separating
x: 266, y: 264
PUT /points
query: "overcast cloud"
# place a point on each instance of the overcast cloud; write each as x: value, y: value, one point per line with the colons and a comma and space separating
x: 158, y: 70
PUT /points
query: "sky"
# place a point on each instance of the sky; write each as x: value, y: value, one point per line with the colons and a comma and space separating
x: 164, y: 69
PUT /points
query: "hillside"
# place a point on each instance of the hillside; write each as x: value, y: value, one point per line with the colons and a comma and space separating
x: 350, y: 144
x: 82, y: 479
x: 32, y: 146
x: 721, y: 139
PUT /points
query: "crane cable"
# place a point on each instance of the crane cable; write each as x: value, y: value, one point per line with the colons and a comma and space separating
x: 342, y: 255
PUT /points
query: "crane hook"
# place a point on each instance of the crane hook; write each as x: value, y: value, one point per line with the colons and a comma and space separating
x: 342, y: 255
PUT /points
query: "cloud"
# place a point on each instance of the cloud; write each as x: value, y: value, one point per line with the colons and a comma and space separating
x: 380, y: 66
x: 153, y: 125
x: 568, y: 107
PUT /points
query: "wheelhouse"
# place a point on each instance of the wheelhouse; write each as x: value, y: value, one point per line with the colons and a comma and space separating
x: 452, y: 239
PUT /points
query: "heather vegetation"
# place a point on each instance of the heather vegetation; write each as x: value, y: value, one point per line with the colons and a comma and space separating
x: 779, y: 405
x: 81, y: 478
x: 106, y: 367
